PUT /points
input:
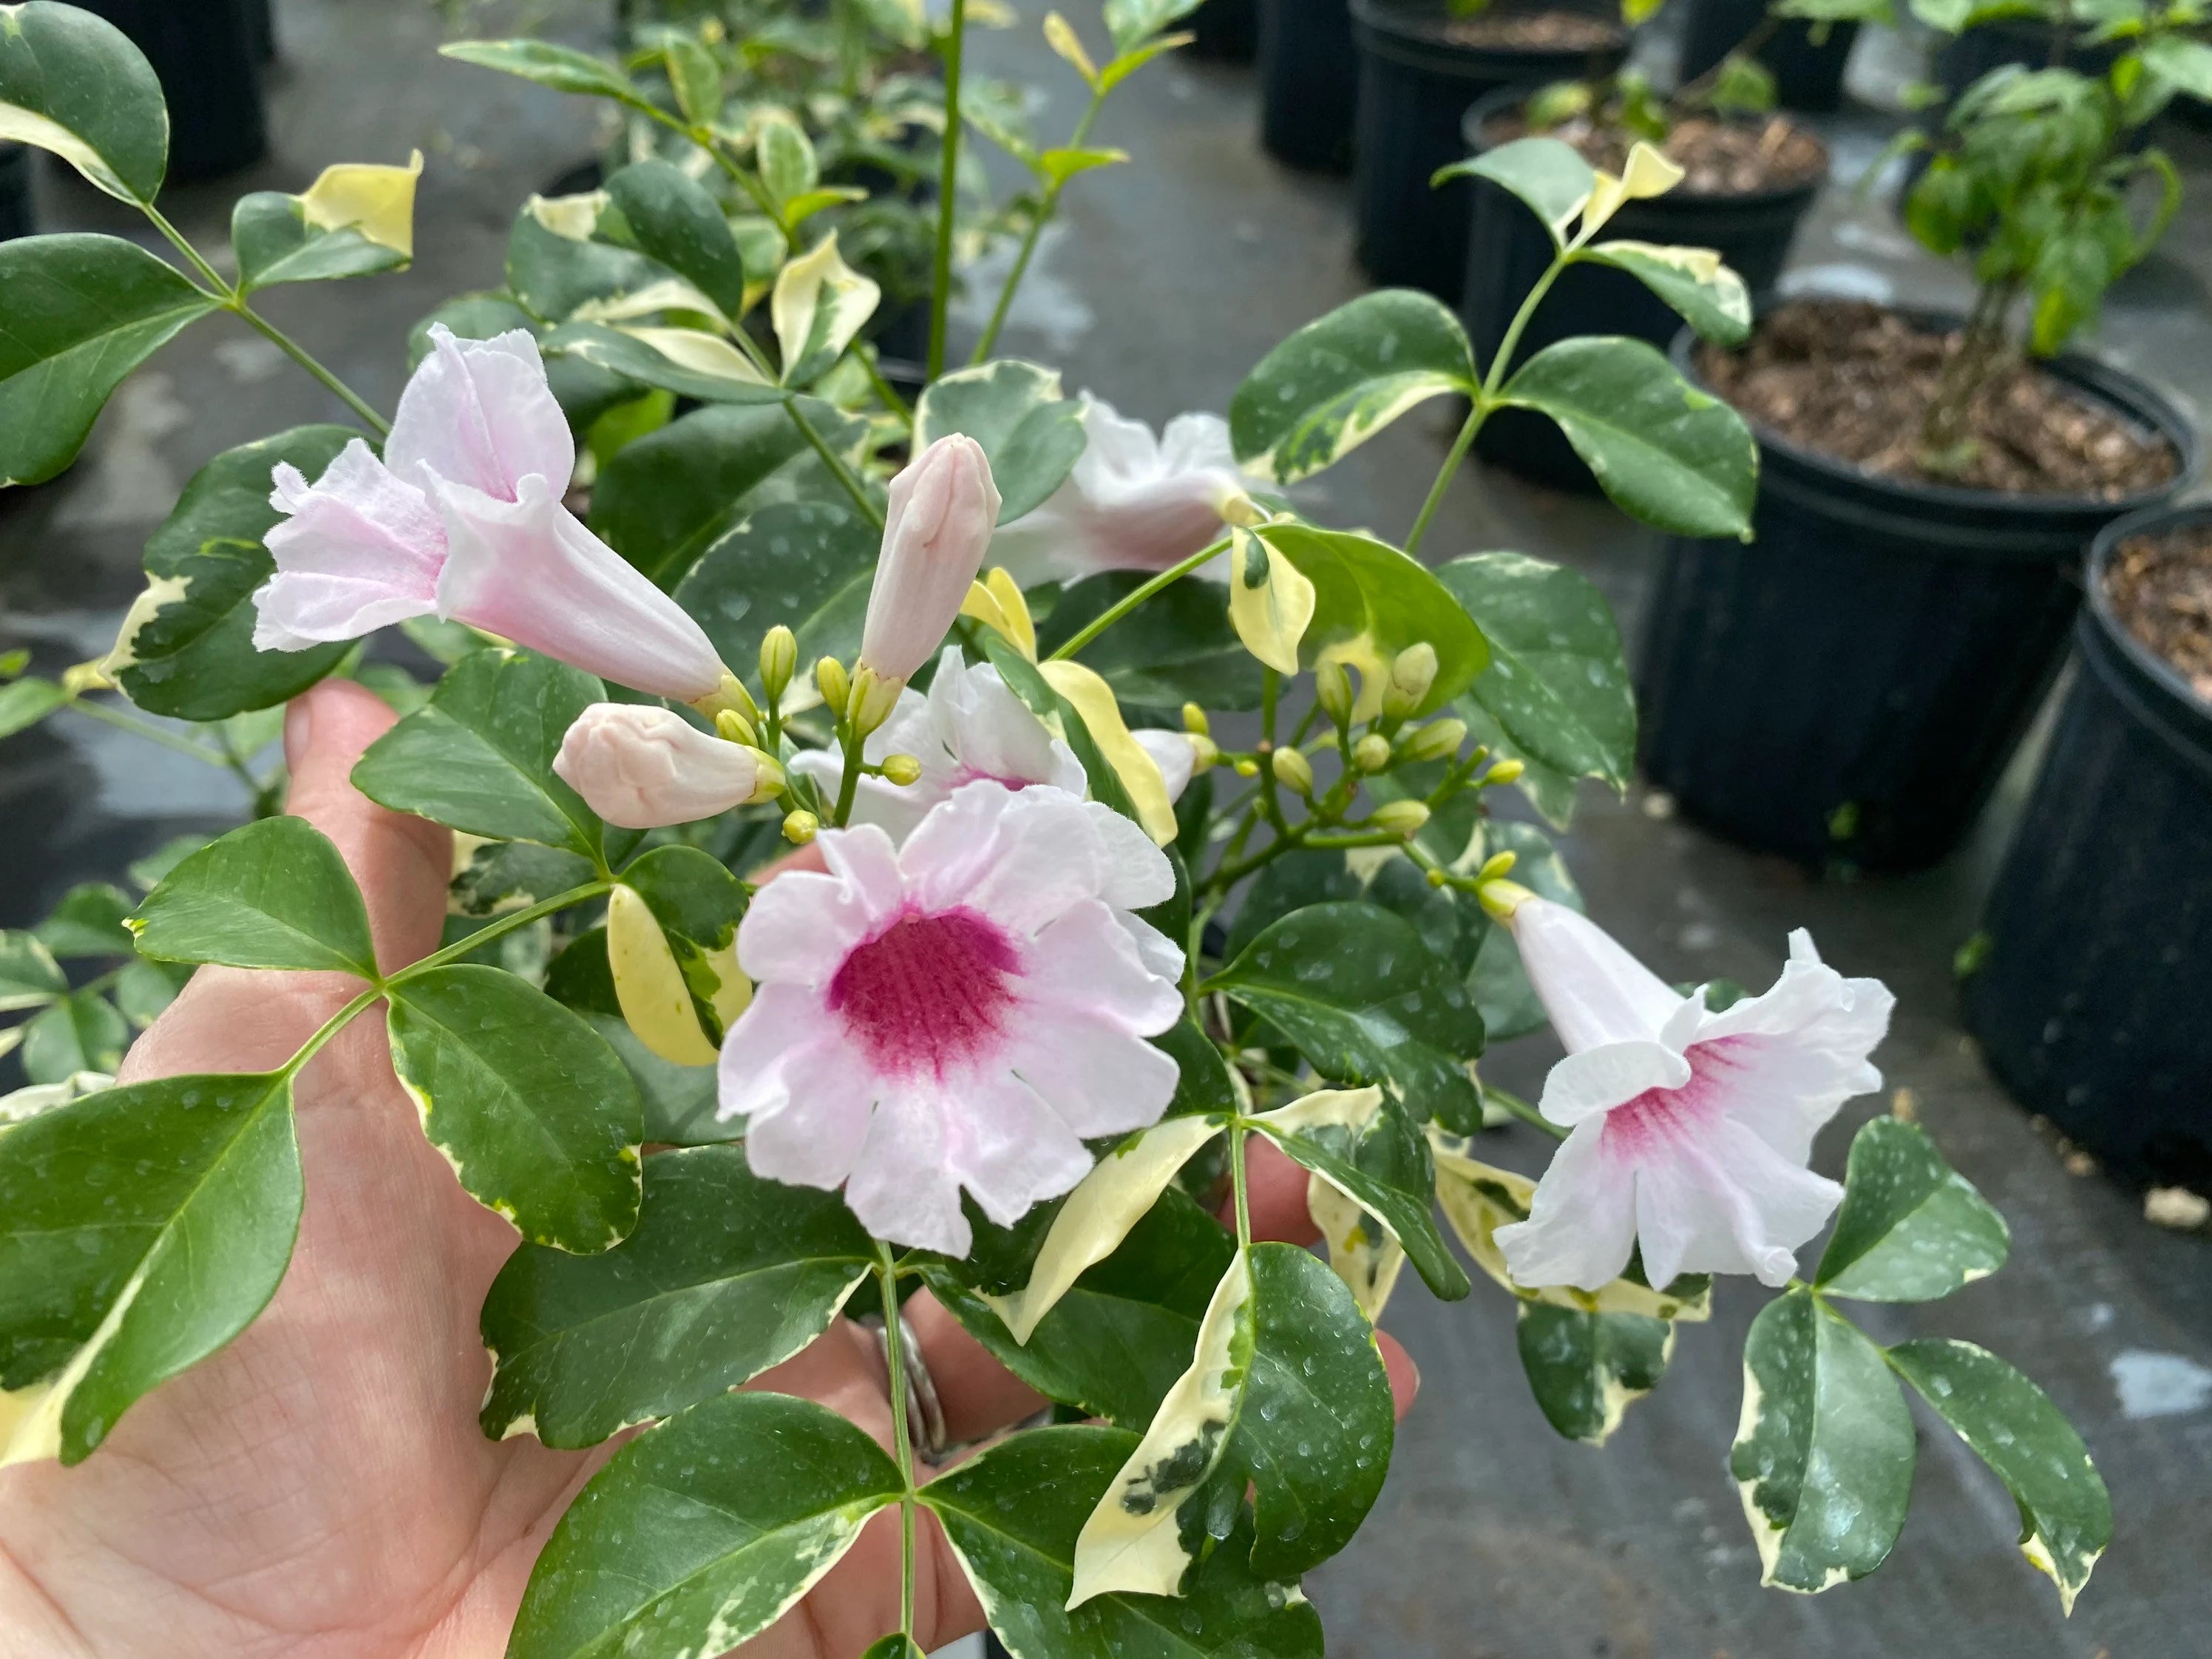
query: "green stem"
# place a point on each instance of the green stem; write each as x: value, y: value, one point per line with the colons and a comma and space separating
x: 223, y: 291
x: 148, y: 729
x: 901, y: 1445
x: 884, y: 389
x: 1475, y: 414
x: 300, y: 355
x: 1041, y: 217
x: 329, y: 1028
x: 940, y: 286
x: 499, y: 925
x: 1121, y: 607
x: 831, y: 458
x: 849, y: 785
x: 1517, y: 1107
x: 1228, y: 875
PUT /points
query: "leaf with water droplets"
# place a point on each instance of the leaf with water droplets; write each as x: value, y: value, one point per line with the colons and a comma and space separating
x: 1586, y: 1370
x: 1911, y: 1228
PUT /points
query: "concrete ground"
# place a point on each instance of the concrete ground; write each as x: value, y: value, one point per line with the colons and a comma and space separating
x: 1165, y: 283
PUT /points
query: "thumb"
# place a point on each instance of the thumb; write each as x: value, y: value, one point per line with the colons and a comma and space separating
x: 401, y: 863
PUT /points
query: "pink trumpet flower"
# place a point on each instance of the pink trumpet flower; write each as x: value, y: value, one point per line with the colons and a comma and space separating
x: 959, y: 1012
x: 463, y: 518
x: 935, y: 531
x: 1691, y: 1129
x: 641, y: 767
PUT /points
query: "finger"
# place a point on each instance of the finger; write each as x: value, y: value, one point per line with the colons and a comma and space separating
x: 1275, y: 1194
x: 1405, y: 1375
x: 978, y: 1395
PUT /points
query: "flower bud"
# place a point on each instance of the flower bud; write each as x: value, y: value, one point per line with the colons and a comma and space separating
x: 1506, y: 771
x: 1497, y: 866
x: 799, y: 827
x: 837, y: 685
x: 1372, y: 753
x: 735, y: 727
x: 1402, y: 818
x: 1411, y: 677
x: 937, y: 527
x: 1205, y: 752
x: 640, y: 768
x: 1292, y: 771
x: 1437, y: 878
x: 902, y: 770
x: 1247, y: 767
x: 1195, y: 720
x: 1500, y: 899
x: 870, y: 700
x: 778, y: 660
x: 1434, y: 741
x: 1333, y: 692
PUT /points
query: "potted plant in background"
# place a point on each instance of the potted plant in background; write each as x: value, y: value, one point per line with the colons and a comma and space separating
x: 1420, y: 66
x: 1308, y: 82
x: 1749, y: 176
x: 2084, y: 985
x: 1847, y: 688
x: 1804, y: 44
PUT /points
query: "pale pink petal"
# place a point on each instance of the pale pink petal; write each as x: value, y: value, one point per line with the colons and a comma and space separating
x: 989, y: 733
x: 479, y: 413
x: 902, y: 1187
x: 1018, y: 857
x: 1160, y: 954
x: 1713, y: 1198
x: 772, y: 1046
x: 642, y: 766
x: 937, y: 524
x: 1594, y: 991
x: 1098, y: 1078
x: 1598, y: 1079
x: 1137, y: 873
x: 1172, y: 753
x: 800, y: 927
x: 816, y: 1138
x: 1582, y: 1222
x: 529, y: 571
x: 1011, y: 1150
x: 358, y: 549
x: 1085, y: 960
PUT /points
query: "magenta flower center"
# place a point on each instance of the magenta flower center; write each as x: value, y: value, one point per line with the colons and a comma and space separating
x: 928, y: 995
x: 1659, y: 1118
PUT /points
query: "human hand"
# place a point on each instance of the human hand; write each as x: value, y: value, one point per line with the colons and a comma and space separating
x: 320, y: 1488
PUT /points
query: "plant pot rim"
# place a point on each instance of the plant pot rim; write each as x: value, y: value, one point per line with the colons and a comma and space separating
x: 1390, y: 28
x: 2190, y: 707
x: 1977, y: 522
x: 1505, y: 98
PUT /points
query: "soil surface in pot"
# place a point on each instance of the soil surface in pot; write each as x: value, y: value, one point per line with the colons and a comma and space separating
x: 1852, y: 380
x: 1717, y: 156
x: 2161, y: 586
x: 1522, y: 31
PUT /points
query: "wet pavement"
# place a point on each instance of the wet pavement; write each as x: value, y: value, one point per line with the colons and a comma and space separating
x: 1166, y: 281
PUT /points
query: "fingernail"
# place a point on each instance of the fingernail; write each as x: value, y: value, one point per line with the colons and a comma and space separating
x: 299, y: 729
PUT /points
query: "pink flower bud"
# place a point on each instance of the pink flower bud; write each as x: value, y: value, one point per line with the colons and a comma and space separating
x: 943, y: 508
x: 641, y: 767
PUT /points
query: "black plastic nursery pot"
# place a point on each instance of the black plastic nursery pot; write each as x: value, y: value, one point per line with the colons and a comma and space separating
x: 207, y: 57
x: 1508, y: 249
x: 15, y: 205
x: 1226, y: 30
x: 1809, y: 74
x: 1308, y: 82
x: 1415, y: 86
x: 1846, y: 688
x: 2089, y: 1000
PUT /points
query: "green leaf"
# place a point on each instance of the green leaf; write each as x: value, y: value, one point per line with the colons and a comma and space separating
x: 1133, y: 22
x: 701, y: 1533
x: 141, y: 1229
x: 25, y: 702
x: 1557, y: 683
x: 1111, y: 75
x: 29, y: 977
x: 144, y: 990
x: 1032, y: 436
x: 1507, y: 1001
x: 1677, y: 457
x: 1364, y: 1144
x: 1549, y: 176
x: 2186, y: 62
x: 1371, y: 602
x: 1911, y: 1228
x: 535, y: 1113
x: 1012, y: 1513
x: 1586, y: 1370
x: 73, y: 83
x: 273, y: 894
x: 480, y: 757
x: 1705, y: 293
x: 679, y: 1100
x: 697, y: 904
x: 1292, y: 882
x: 2065, y: 1513
x: 1823, y: 1452
x: 186, y: 648
x: 695, y: 77
x: 1341, y: 380
x: 687, y: 361
x: 819, y: 305
x: 898, y: 1645
x: 1116, y: 1342
x: 1178, y: 646
x: 667, y: 497
x: 515, y: 872
x: 83, y: 311
x: 1354, y: 987
x: 562, y: 68
x: 83, y: 1032
x: 670, y: 217
x: 787, y: 163
x: 557, y: 267
x: 727, y: 1274
x: 88, y: 922
x: 807, y: 565
x: 1059, y: 165
x: 275, y: 242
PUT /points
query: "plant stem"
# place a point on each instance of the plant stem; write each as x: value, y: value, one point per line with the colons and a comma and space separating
x: 948, y: 176
x: 1520, y: 1108
x: 842, y: 473
x: 1228, y: 875
x: 1046, y: 209
x: 146, y: 729
x: 849, y: 785
x: 208, y: 272
x: 329, y: 1028
x: 901, y: 1444
x: 1121, y: 607
x: 1476, y: 410
x: 884, y: 389
x: 499, y: 925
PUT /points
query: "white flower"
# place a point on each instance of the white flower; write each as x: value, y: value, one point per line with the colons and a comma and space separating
x: 1133, y: 502
x: 936, y: 524
x: 971, y: 726
x: 1691, y: 1129
x: 959, y: 1012
x: 640, y: 766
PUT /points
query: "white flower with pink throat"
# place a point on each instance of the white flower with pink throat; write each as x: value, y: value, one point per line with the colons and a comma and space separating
x: 959, y: 1012
x: 1691, y: 1130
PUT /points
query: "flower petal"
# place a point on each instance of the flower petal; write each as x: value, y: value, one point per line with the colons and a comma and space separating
x: 1599, y: 1079
x: 1020, y: 858
x: 1715, y: 1198
x: 1012, y: 1151
x: 782, y: 1030
x: 901, y: 1187
x: 800, y: 926
x: 1593, y: 989
x: 358, y: 549
x: 1582, y: 1222
x: 1096, y: 1077
x: 1085, y: 960
x: 479, y: 413
x: 816, y: 1140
